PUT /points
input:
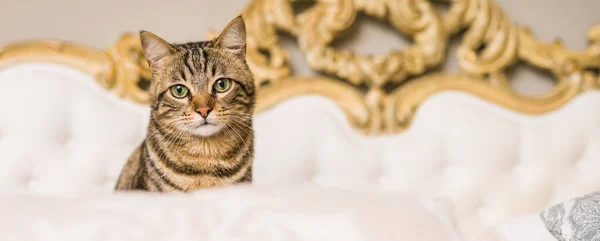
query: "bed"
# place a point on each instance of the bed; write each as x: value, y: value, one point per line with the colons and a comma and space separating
x: 370, y: 147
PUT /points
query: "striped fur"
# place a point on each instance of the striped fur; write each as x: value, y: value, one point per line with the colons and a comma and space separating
x: 179, y: 154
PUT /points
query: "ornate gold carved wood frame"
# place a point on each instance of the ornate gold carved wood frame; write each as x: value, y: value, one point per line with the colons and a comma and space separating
x: 378, y: 93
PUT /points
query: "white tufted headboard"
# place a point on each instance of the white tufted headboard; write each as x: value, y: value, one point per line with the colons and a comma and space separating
x: 61, y: 133
x: 71, y: 114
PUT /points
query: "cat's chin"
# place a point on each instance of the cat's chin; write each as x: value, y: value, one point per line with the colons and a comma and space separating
x: 206, y: 130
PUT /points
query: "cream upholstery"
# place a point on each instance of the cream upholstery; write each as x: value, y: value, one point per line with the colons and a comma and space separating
x: 62, y: 134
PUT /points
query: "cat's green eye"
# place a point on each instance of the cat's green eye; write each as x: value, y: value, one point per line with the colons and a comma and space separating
x: 222, y: 85
x: 179, y: 91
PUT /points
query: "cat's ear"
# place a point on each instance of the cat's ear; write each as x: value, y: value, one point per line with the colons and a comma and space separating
x: 155, y: 48
x: 233, y: 37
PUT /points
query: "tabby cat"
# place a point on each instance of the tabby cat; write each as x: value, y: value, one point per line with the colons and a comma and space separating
x: 200, y: 131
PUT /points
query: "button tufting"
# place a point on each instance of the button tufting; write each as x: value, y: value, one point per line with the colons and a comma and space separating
x: 378, y: 173
x: 29, y: 181
x: 314, y: 177
x: 32, y: 184
x: 512, y: 168
x: 479, y: 204
x: 68, y: 144
x: 447, y: 169
x: 579, y: 159
x: 444, y: 166
x: 67, y: 139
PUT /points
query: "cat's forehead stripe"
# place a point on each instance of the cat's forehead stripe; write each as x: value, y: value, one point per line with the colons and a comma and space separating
x: 205, y: 56
x: 189, y: 63
x: 197, y: 59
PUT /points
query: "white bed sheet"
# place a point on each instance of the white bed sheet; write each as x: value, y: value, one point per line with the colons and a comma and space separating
x: 245, y: 213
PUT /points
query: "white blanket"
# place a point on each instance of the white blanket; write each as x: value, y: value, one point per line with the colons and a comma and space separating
x: 241, y: 213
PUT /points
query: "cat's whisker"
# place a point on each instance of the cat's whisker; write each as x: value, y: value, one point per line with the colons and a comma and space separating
x: 240, y: 119
x: 245, y: 131
x: 185, y: 136
x: 161, y: 114
x: 245, y: 144
x: 178, y: 128
x: 239, y: 136
x: 241, y: 116
x: 235, y: 113
x: 158, y: 128
x: 242, y: 139
x: 173, y: 139
x: 237, y: 121
x: 168, y: 133
x: 231, y: 133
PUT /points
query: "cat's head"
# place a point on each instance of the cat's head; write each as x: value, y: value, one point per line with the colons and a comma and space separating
x: 201, y: 88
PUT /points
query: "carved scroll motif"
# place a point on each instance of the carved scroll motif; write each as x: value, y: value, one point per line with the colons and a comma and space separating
x: 491, y: 43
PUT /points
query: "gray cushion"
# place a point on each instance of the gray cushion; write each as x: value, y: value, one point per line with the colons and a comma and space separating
x: 577, y: 219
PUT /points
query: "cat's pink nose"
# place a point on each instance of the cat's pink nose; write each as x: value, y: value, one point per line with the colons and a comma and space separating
x: 204, y: 111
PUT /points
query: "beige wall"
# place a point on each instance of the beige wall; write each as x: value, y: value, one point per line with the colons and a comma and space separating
x: 100, y: 23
